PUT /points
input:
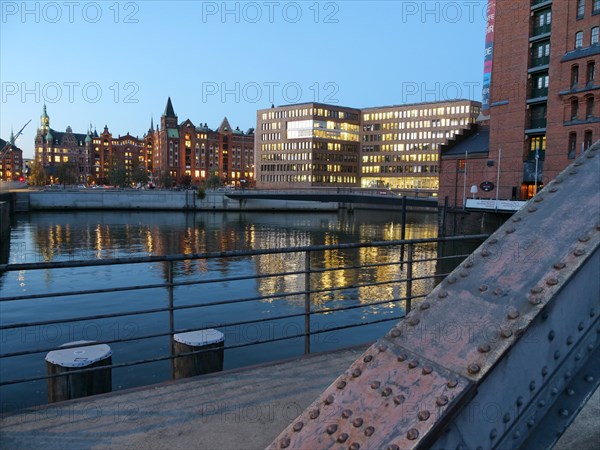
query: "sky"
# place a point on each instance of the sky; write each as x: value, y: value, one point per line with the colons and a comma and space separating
x: 116, y: 63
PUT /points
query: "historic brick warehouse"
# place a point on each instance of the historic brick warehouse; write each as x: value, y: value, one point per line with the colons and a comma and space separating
x: 542, y: 109
x: 11, y: 161
x: 185, y: 152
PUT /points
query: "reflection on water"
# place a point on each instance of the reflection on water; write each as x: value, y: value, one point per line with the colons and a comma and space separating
x: 93, y: 235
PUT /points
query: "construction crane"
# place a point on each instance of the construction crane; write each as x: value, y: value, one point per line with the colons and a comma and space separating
x: 11, y: 143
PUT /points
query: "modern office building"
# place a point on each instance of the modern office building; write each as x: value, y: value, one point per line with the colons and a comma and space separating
x: 314, y: 144
x: 307, y: 144
x: 541, y: 66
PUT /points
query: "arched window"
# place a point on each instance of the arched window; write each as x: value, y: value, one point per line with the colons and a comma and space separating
x: 587, y: 139
x: 574, y: 108
x: 574, y: 75
x: 579, y: 39
x: 589, y: 107
x: 572, y: 145
x: 594, y: 35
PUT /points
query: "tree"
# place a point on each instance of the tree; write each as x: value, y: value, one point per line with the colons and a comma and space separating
x: 117, y: 175
x: 66, y: 173
x: 165, y: 180
x: 186, y: 181
x: 139, y: 174
x: 213, y: 181
x: 38, y: 175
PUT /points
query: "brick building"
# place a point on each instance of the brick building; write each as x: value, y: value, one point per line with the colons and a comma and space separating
x: 541, y: 67
x: 11, y: 161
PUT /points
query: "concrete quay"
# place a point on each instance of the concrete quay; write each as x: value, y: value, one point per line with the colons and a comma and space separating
x: 238, y: 409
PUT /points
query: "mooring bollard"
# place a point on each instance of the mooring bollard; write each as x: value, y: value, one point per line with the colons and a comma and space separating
x: 200, y: 363
x: 76, y: 358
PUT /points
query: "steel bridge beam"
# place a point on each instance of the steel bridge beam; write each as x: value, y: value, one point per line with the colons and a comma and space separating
x: 502, y: 354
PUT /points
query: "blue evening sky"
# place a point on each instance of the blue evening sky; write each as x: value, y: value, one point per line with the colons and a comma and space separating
x: 115, y: 63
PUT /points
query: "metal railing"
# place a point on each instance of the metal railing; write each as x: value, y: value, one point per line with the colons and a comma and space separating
x: 406, y: 261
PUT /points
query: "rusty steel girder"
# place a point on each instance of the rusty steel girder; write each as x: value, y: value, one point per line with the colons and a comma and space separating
x: 502, y: 354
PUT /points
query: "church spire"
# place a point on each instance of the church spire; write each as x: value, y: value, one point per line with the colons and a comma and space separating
x: 169, y: 111
x: 44, y: 120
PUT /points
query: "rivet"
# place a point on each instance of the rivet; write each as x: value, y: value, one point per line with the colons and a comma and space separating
x: 513, y: 314
x: 517, y: 435
x: 357, y: 422
x: 386, y: 392
x: 579, y: 252
x: 530, y: 423
x: 485, y: 253
x: 564, y: 412
x: 474, y: 368
x: 285, y: 442
x: 464, y: 274
x: 538, y: 199
x: 558, y: 180
x: 382, y: 348
x: 341, y: 384
x: 537, y: 290
x: 402, y: 357
x: 452, y: 383
x: 427, y: 370
x: 559, y: 265
x: 583, y: 238
x: 368, y: 358
x: 484, y: 348
x: 592, y: 312
x: 354, y: 446
x: 356, y: 373
x: 532, y: 209
x: 342, y: 438
x: 577, y: 356
x: 498, y: 291
x: 569, y: 340
x: 393, y: 447
x: 399, y: 399
x: 493, y: 434
x: 413, y: 321
x: 590, y: 347
x: 589, y: 378
x: 413, y: 363
x: 580, y: 326
x: 442, y: 400
x: 552, y: 281
x: 554, y: 391
x: 298, y: 426
x: 510, y: 230
x: 313, y: 414
x: 545, y: 315
x: 423, y: 306
x: 551, y: 335
x: 468, y: 264
x: 544, y: 371
x: 369, y: 431
x: 519, y: 401
x: 412, y: 434
x: 532, y: 386
x: 573, y: 172
x: 516, y: 219
x: 570, y: 392
x: 329, y: 400
x: 568, y: 374
x: 442, y: 294
x: 375, y: 385
x: 423, y: 415
x: 553, y: 189
x: 451, y: 280
x: 578, y: 163
x: 395, y: 333
x: 492, y: 241
x: 483, y: 288
x: 541, y: 404
x: 346, y: 413
x: 589, y: 155
x: 506, y: 333
x: 535, y: 301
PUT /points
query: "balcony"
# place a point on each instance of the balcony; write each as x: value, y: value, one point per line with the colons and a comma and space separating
x: 539, y: 92
x: 540, y: 3
x: 541, y: 61
x: 537, y: 122
x: 538, y: 30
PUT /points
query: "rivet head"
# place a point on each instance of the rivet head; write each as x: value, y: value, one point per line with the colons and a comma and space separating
x: 341, y: 384
x: 519, y: 401
x: 413, y: 363
x: 427, y: 370
x: 395, y: 332
x: 329, y: 400
x: 537, y: 290
x: 580, y: 326
x: 544, y: 371
x: 570, y: 340
x: 484, y: 348
x: 342, y: 438
x: 412, y: 434
x: 538, y: 199
x: 564, y: 412
x: 532, y: 209
x: 285, y: 442
x: 474, y: 368
x: 298, y: 426
x: 558, y: 180
x: 510, y: 230
x: 553, y: 189
x: 386, y: 392
x: 573, y: 172
x: 516, y: 219
x: 354, y: 446
x: 492, y: 241
x: 512, y: 314
x: 368, y: 358
x: 451, y: 280
x: 346, y: 413
x: 579, y: 252
x: 402, y: 357
x: 381, y: 348
x: 356, y: 373
x: 568, y: 374
x: 413, y: 321
x: 552, y: 281
x: 559, y: 265
x: 423, y: 415
x: 556, y: 355
x: 493, y: 434
x: 589, y: 378
x: 442, y: 294
x: 570, y: 392
x: 578, y: 163
x: 393, y: 447
x: 452, y: 383
x: 583, y: 238
x: 498, y: 291
x: 375, y: 385
x: 313, y: 414
x: 530, y: 423
x: 424, y: 306
x: 483, y: 287
x: 532, y: 386
x: 551, y: 335
x: 357, y: 423
x: 506, y: 333
x: 369, y: 431
x: 554, y: 391
x: 442, y: 400
x: 535, y: 300
x: 517, y: 434
x: 485, y: 253
x: 541, y: 404
x: 464, y: 273
x: 468, y: 264
x: 398, y: 399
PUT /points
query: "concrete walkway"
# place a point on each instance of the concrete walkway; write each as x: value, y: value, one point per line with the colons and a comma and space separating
x: 240, y: 409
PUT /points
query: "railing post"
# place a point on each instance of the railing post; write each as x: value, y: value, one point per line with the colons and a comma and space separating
x: 409, y: 275
x: 403, y: 235
x: 171, y: 318
x: 307, y: 303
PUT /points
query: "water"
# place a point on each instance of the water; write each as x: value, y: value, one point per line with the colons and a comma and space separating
x: 93, y: 235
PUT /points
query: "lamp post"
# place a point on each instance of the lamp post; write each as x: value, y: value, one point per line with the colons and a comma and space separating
x: 537, y: 158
